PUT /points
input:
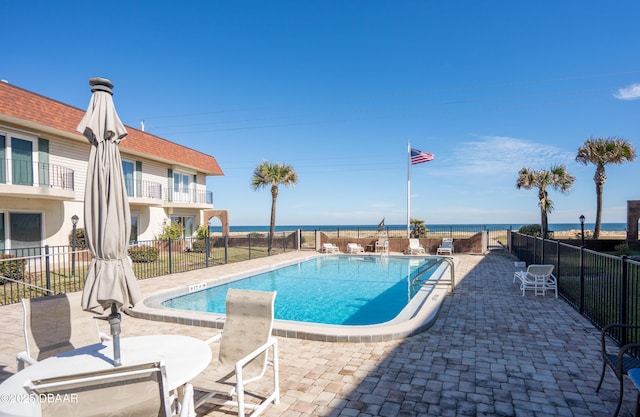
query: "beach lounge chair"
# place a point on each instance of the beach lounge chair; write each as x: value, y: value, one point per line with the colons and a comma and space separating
x: 382, y: 246
x: 137, y: 390
x: 55, y: 324
x: 354, y: 248
x: 415, y: 247
x: 245, y: 342
x: 538, y: 278
x: 621, y: 360
x: 330, y: 248
x: 446, y: 247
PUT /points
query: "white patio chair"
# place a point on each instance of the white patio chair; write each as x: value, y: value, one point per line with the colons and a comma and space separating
x: 54, y: 324
x: 415, y: 247
x: 245, y: 342
x: 446, y: 247
x: 330, y: 248
x: 382, y: 245
x: 538, y: 278
x: 136, y: 390
x: 354, y: 248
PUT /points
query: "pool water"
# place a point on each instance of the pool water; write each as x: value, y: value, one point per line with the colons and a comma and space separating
x: 341, y: 290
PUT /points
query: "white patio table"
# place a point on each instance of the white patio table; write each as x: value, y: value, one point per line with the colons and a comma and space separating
x: 185, y: 357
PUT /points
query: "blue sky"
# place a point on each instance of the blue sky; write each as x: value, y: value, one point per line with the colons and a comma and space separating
x: 338, y: 88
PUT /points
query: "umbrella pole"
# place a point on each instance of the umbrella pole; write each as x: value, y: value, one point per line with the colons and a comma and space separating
x: 114, y: 320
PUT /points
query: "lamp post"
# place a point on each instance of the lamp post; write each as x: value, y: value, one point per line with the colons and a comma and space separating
x: 74, y: 222
x: 582, y: 228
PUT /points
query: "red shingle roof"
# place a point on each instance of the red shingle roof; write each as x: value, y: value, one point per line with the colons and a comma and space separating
x: 31, y: 107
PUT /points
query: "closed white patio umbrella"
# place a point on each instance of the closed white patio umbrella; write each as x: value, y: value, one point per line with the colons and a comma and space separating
x: 110, y: 284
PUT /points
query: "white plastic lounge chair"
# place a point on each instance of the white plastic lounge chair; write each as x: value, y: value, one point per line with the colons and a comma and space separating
x: 446, y: 247
x: 382, y: 245
x: 55, y: 324
x: 538, y: 278
x: 138, y: 390
x: 415, y: 247
x: 354, y: 248
x: 330, y: 248
x: 245, y: 342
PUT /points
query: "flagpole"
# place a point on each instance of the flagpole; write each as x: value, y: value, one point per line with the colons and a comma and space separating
x: 408, y: 188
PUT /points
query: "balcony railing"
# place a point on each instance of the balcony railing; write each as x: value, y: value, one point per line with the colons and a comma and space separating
x: 173, y: 195
x: 144, y: 189
x: 36, y: 174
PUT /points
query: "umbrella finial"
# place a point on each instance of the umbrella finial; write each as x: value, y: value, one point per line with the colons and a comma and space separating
x: 101, y: 84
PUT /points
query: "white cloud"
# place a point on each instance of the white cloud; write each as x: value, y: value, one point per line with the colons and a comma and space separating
x: 506, y: 155
x: 631, y: 92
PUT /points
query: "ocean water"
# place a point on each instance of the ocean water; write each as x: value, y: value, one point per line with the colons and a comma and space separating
x: 556, y: 227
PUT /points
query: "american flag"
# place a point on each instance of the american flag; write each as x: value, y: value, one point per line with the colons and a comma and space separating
x: 418, y: 157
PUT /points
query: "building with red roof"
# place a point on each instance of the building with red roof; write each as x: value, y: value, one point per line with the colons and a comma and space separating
x: 43, y: 165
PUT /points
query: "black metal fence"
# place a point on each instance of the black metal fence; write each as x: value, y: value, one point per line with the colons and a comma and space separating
x: 604, y: 288
x: 34, y: 272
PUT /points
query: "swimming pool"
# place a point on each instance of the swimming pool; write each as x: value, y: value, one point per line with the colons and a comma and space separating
x: 418, y: 314
x: 341, y: 290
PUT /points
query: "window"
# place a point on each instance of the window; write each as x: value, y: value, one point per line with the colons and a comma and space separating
x: 22, y: 161
x: 128, y: 170
x: 25, y: 231
x: 181, y: 187
x: 3, y: 161
x: 2, y: 246
x: 186, y: 222
x: 133, y: 237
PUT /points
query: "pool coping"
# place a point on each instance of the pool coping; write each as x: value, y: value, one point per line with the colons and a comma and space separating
x: 423, y: 310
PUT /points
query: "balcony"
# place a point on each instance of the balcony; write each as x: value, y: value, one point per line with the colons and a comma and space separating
x: 144, y: 193
x: 189, y: 198
x: 36, y: 180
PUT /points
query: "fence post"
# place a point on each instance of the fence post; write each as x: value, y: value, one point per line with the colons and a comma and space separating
x: 558, y: 264
x: 249, y: 245
x: 623, y: 299
x: 207, y: 246
x: 170, y: 256
x: 581, y: 303
x: 226, y: 249
x: 47, y: 268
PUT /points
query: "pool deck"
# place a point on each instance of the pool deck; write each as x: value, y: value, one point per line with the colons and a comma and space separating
x: 491, y: 352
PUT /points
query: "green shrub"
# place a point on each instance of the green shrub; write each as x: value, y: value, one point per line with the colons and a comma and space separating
x: 622, y: 249
x: 531, y: 230
x: 202, y: 232
x: 13, y: 269
x: 144, y: 253
x: 81, y: 241
x: 199, y: 246
x: 172, y: 230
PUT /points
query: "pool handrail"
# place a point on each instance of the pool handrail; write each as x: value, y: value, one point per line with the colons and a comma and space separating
x: 420, y: 282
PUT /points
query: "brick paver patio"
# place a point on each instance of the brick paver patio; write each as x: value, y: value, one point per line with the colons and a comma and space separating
x: 491, y: 352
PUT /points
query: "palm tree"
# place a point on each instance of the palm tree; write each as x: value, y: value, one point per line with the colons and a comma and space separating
x: 600, y: 152
x: 272, y: 174
x: 557, y: 177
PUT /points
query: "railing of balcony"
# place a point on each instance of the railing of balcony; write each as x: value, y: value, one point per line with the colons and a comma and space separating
x: 143, y: 189
x: 173, y: 195
x: 36, y: 174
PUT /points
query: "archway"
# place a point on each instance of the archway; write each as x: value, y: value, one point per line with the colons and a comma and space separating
x: 222, y: 215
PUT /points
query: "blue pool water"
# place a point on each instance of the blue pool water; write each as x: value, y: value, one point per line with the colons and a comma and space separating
x: 342, y: 290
